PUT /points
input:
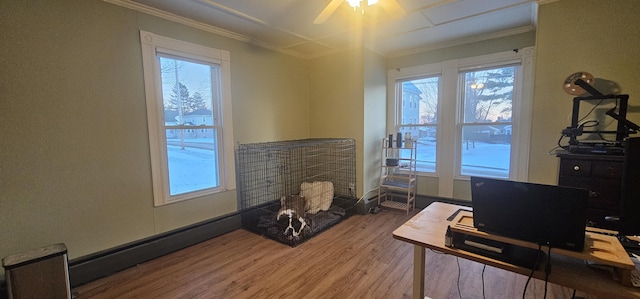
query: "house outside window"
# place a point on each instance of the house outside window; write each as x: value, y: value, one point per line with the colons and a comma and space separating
x: 420, y: 117
x: 473, y: 115
x: 189, y: 118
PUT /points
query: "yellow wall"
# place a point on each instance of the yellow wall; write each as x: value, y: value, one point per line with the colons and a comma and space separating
x: 428, y: 185
x: 374, y: 124
x: 600, y: 37
x: 347, y: 98
x: 75, y: 165
x: 335, y: 99
x: 489, y: 46
x: 75, y: 153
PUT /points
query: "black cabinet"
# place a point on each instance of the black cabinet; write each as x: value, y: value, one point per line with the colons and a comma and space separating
x: 602, y: 176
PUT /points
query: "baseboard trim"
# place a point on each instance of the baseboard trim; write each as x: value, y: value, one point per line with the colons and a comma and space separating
x: 423, y: 201
x: 105, y: 263
x: 101, y: 264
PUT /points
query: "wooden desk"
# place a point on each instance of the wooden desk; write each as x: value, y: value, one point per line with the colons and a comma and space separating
x: 427, y: 228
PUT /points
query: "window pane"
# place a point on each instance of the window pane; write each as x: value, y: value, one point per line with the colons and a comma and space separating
x: 186, y: 87
x: 192, y: 159
x: 487, y: 122
x: 488, y: 95
x: 419, y: 117
x: 426, y: 149
x: 419, y: 101
x: 486, y: 150
x: 192, y: 156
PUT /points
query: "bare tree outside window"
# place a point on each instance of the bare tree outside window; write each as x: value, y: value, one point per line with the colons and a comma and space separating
x: 420, y: 118
x: 189, y: 124
x: 487, y: 122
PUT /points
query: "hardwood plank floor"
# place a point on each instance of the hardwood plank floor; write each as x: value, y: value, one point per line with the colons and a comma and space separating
x: 358, y: 258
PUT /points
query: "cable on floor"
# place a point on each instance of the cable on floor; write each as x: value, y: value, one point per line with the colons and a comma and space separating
x: 458, y: 262
x: 547, y: 271
x: 458, y: 282
x: 483, y: 268
x: 524, y: 292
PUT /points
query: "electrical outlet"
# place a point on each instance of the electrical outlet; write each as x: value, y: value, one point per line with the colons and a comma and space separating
x: 352, y: 187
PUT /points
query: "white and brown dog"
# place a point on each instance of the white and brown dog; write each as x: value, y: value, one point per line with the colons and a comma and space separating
x: 293, y: 206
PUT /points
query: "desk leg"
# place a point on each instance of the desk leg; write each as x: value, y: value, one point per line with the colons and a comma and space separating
x: 418, y: 272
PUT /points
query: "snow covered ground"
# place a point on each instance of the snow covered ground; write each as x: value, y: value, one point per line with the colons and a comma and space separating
x: 480, y: 159
x: 190, y: 168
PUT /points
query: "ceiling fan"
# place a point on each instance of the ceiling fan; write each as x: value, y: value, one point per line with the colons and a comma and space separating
x: 390, y: 6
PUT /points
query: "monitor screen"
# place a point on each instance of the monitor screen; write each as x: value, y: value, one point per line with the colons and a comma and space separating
x: 630, y: 194
x: 544, y: 214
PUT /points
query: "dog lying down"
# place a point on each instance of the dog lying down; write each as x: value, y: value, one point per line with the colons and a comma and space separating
x: 293, y: 208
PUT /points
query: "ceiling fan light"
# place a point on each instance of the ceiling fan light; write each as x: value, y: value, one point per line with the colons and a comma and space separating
x: 354, y: 3
x: 372, y: 2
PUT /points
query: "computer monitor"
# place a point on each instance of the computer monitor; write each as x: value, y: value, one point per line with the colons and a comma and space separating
x: 630, y: 194
x: 544, y: 214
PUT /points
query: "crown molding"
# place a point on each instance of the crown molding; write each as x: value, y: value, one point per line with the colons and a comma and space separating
x: 546, y: 1
x: 199, y: 25
x: 130, y: 4
x: 463, y: 41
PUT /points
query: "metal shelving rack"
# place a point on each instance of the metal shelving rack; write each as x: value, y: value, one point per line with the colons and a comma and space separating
x: 398, y: 183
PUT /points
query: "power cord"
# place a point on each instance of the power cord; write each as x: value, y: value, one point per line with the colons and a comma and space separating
x: 458, y: 283
x: 363, y: 196
x: 547, y: 270
x: 592, y: 109
x: 524, y: 292
x: 483, y: 268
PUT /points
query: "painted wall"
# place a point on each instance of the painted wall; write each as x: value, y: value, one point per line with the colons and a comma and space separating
x: 600, y: 37
x: 75, y: 151
x: 374, y: 125
x: 75, y: 160
x: 489, y: 46
x: 347, y: 98
x: 335, y: 100
x: 428, y: 185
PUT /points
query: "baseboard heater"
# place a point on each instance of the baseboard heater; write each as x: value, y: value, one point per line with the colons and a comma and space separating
x: 104, y: 263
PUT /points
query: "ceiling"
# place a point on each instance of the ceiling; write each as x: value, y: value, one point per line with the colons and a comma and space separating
x: 287, y: 25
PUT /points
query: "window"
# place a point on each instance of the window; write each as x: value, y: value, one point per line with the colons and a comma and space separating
x: 486, y: 122
x: 470, y: 117
x: 420, y: 117
x: 189, y: 118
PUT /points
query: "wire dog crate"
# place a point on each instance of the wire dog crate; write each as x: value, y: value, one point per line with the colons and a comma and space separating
x: 290, y: 191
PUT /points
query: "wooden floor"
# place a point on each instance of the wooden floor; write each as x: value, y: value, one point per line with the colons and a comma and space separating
x: 358, y: 258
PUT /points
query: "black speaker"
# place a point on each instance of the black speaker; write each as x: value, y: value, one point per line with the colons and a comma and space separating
x: 630, y: 201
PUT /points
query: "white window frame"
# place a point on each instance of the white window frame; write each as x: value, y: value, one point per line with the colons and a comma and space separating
x: 152, y: 44
x: 448, y: 161
x: 399, y: 112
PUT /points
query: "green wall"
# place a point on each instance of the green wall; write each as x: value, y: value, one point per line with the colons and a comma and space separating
x: 600, y: 37
x: 374, y: 125
x: 335, y: 99
x: 75, y: 151
x: 428, y: 185
x: 489, y: 46
x: 347, y: 98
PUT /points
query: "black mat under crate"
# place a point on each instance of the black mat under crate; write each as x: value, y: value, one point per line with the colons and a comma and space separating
x: 262, y: 221
x: 312, y: 178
